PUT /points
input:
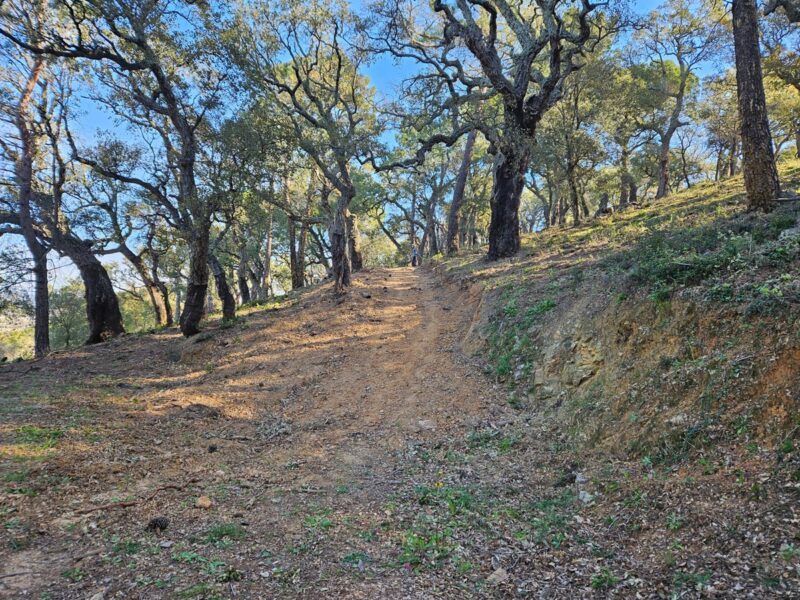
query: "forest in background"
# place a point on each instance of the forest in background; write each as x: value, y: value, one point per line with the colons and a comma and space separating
x: 244, y: 151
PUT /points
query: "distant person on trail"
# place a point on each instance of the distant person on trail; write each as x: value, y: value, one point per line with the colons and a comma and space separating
x: 414, y: 256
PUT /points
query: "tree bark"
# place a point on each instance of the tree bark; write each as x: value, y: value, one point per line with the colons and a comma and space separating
x: 509, y: 181
x: 760, y: 173
x: 624, y: 175
x: 41, y: 323
x: 663, y: 171
x: 267, y: 283
x: 196, y: 288
x: 354, y: 236
x: 293, y: 258
x: 732, y: 157
x: 797, y: 143
x: 574, y: 199
x: 452, y: 242
x: 244, y: 288
x: 223, y: 290
x: 301, y: 255
x: 719, y: 165
x: 340, y: 246
x: 102, y: 306
x: 178, y: 298
x: 242, y: 273
x: 24, y: 176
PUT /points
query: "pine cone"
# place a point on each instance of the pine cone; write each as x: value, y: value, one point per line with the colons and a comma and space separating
x: 158, y: 524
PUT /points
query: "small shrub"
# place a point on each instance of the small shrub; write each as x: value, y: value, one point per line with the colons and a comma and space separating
x: 604, y: 580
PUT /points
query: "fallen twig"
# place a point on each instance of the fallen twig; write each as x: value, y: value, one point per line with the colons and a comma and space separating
x: 16, y: 574
x: 128, y: 503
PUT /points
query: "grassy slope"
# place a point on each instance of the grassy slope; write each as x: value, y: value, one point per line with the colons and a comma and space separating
x: 659, y: 329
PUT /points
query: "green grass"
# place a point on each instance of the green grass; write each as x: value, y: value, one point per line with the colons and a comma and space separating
x: 222, y: 532
x: 41, y: 437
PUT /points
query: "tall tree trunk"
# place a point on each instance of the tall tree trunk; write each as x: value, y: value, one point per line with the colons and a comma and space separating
x: 632, y: 196
x: 197, y: 285
x: 413, y: 227
x: 244, y: 287
x: 546, y: 208
x: 267, y: 284
x: 623, y: 180
x: 574, y: 198
x: 797, y: 142
x: 354, y: 237
x: 24, y: 176
x: 242, y: 272
x: 159, y: 296
x: 453, y: 218
x: 509, y: 181
x: 474, y: 242
x: 301, y: 254
x: 760, y: 173
x: 663, y: 171
x: 297, y: 253
x: 223, y: 290
x: 732, y: 157
x: 41, y: 322
x: 340, y: 245
x: 433, y: 239
x: 102, y: 306
x: 584, y: 206
x: 718, y: 169
x: 293, y: 259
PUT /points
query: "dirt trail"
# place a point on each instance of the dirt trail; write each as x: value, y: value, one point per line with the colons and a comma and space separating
x: 267, y: 419
x: 346, y: 447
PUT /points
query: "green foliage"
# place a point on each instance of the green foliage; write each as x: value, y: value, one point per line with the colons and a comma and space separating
x: 604, y: 580
x: 550, y: 518
x: 68, y: 326
x: 16, y: 343
x: 222, y: 532
x: 425, y: 549
x: 75, y: 574
x: 321, y: 522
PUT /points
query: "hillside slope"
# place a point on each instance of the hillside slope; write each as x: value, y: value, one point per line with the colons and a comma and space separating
x: 353, y: 447
x: 656, y: 328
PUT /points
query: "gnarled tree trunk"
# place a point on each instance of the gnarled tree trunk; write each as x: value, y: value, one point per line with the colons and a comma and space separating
x: 509, y: 181
x: 102, y: 306
x: 267, y: 280
x: 354, y: 235
x: 760, y: 173
x: 41, y: 321
x: 223, y: 290
x: 340, y: 246
x: 663, y: 171
x: 196, y: 288
x: 452, y: 242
